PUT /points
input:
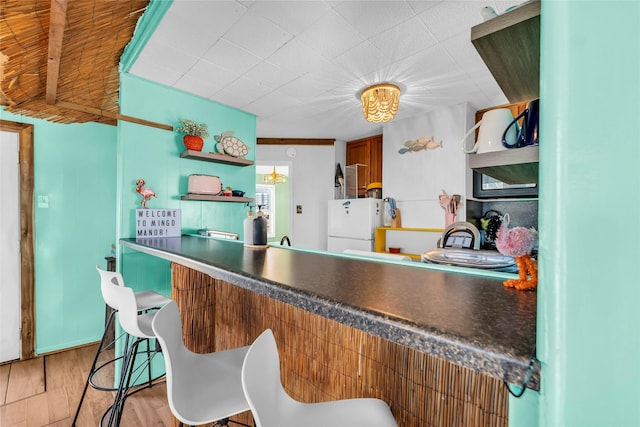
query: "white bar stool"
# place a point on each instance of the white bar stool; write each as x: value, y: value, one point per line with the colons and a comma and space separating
x: 137, y: 326
x: 273, y: 407
x: 201, y: 388
x: 145, y: 301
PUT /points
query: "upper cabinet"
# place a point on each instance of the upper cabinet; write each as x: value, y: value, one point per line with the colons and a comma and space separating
x: 509, y: 44
x: 366, y: 151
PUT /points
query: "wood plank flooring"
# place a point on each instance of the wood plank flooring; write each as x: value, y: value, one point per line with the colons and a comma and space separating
x: 45, y: 392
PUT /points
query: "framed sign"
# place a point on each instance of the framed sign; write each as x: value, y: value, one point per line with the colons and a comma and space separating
x: 158, y: 223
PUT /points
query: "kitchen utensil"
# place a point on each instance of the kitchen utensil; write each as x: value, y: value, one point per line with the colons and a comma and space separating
x: 528, y: 133
x: 389, y: 211
x: 492, y: 130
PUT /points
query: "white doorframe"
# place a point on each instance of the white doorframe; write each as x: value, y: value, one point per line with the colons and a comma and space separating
x: 292, y: 212
x: 10, y: 262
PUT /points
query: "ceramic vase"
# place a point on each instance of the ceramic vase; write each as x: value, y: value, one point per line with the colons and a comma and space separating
x: 192, y: 142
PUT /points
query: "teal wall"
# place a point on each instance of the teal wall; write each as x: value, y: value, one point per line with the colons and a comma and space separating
x: 588, y: 319
x: 75, y: 167
x: 154, y: 155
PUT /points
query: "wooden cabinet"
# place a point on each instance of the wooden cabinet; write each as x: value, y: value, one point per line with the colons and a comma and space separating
x: 366, y: 151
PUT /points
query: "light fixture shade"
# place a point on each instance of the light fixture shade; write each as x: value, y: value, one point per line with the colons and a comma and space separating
x: 274, y: 178
x: 380, y: 102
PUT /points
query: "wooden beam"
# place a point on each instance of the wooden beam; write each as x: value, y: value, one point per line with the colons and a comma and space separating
x: 57, y: 21
x: 295, y: 141
x: 110, y: 115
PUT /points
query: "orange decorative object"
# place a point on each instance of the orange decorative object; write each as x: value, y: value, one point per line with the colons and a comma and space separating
x: 526, y: 267
x: 193, y: 142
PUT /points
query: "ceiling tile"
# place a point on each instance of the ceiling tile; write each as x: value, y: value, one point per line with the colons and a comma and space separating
x: 422, y: 5
x: 257, y: 35
x: 364, y: 58
x: 178, y: 32
x: 197, y: 86
x: 248, y: 89
x: 212, y: 17
x: 404, y: 40
x: 205, y: 70
x: 274, y: 103
x: 232, y: 57
x: 293, y: 16
x: 297, y: 58
x: 268, y: 74
x: 331, y: 35
x: 373, y: 17
x: 450, y: 18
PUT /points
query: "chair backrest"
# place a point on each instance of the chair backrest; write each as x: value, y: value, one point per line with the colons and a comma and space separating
x: 122, y: 299
x: 167, y: 327
x: 261, y: 381
x: 109, y: 278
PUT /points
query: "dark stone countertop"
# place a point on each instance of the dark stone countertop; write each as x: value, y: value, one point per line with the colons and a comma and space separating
x: 471, y: 320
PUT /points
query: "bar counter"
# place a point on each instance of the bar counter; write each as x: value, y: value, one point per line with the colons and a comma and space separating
x: 462, y: 316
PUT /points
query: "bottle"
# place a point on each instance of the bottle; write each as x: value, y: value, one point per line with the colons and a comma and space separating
x: 260, y: 229
x: 248, y: 227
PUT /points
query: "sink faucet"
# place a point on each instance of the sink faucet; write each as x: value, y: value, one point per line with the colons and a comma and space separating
x: 285, y: 238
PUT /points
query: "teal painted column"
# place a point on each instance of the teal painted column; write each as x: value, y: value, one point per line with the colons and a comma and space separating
x: 588, y: 317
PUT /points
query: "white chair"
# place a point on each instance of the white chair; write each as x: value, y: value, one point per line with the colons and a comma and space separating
x: 145, y: 301
x: 137, y: 326
x: 201, y: 388
x: 273, y: 407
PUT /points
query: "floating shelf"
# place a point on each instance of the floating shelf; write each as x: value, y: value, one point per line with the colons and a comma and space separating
x: 215, y: 158
x: 207, y: 198
x: 510, y: 46
x: 513, y: 166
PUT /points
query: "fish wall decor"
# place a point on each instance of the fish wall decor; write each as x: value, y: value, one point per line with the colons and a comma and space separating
x: 424, y: 143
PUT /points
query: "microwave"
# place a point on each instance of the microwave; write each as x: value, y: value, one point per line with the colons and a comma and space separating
x: 486, y: 187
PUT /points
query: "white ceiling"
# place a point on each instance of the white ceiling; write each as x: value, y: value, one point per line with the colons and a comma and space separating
x: 300, y: 66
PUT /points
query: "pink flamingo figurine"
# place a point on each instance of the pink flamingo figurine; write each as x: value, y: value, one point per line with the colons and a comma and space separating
x: 146, y: 193
x: 518, y: 243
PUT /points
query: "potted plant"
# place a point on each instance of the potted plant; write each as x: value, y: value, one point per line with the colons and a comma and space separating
x: 194, y: 134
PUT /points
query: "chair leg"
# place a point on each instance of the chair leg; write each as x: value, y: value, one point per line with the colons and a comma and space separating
x: 125, y: 376
x: 93, y: 366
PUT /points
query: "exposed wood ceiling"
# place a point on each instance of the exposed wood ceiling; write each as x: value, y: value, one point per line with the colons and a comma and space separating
x: 54, y: 52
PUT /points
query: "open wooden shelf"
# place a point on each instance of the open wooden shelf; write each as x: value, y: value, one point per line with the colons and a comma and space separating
x: 208, y: 198
x: 513, y: 166
x: 509, y: 44
x: 215, y: 158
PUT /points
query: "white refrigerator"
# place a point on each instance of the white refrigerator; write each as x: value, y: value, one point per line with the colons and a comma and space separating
x: 352, y: 224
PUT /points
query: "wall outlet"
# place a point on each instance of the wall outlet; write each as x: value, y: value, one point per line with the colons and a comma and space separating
x: 43, y: 202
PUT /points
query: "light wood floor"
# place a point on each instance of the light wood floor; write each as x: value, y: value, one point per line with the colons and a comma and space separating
x: 45, y: 392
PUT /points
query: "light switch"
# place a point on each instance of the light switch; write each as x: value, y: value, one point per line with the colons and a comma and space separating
x: 43, y: 202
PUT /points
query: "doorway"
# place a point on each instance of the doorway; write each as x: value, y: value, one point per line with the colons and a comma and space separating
x: 274, y: 199
x: 9, y: 248
x: 24, y: 204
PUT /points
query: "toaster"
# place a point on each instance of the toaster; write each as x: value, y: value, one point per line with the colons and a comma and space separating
x: 204, y: 184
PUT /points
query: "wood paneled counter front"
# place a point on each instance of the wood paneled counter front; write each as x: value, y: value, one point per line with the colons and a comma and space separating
x: 435, y: 342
